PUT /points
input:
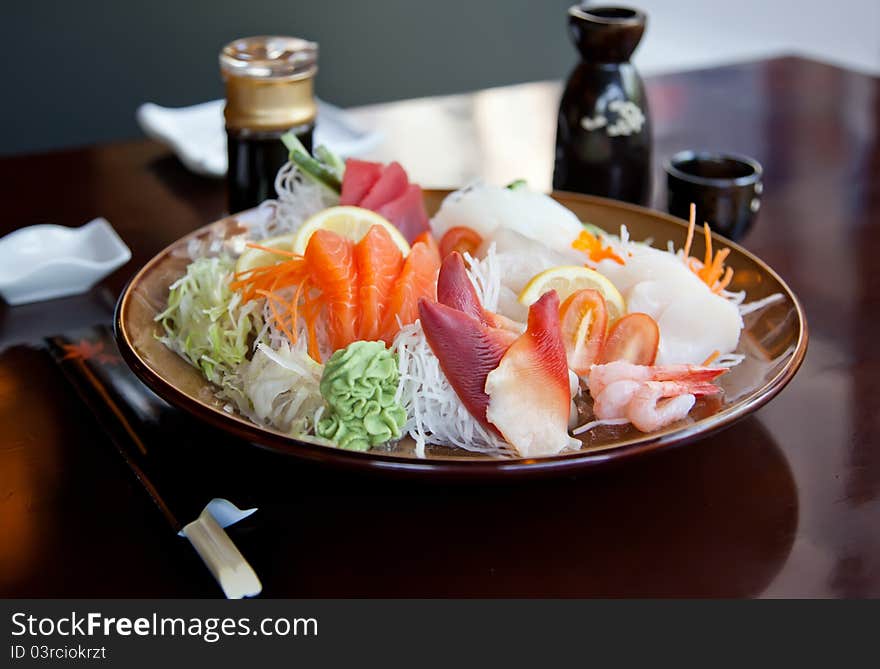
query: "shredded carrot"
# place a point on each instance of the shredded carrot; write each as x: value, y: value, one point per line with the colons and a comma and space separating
x: 725, y: 282
x: 711, y: 270
x: 592, y: 246
x: 269, y: 249
x: 311, y: 309
x: 279, y: 321
x: 269, y: 277
x: 692, y: 221
x: 707, y: 235
x: 712, y: 358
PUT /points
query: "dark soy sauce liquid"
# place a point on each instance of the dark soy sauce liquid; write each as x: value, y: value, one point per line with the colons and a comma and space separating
x: 254, y: 161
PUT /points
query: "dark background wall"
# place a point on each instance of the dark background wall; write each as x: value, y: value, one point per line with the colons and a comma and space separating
x: 74, y: 72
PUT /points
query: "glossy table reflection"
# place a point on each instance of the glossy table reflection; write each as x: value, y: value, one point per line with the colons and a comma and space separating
x: 785, y: 503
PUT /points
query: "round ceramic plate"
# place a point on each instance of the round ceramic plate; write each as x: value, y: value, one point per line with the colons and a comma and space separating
x: 774, y: 342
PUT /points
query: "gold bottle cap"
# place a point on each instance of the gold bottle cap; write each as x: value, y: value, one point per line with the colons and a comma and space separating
x: 269, y: 82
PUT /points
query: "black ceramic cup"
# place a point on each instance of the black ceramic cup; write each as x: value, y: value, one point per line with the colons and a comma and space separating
x: 725, y: 187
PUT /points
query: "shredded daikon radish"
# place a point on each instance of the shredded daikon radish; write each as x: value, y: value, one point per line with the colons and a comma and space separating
x: 298, y: 198
x: 485, y: 274
x: 586, y: 427
x: 750, y: 307
x: 282, y: 387
x: 261, y: 225
x: 210, y: 245
x: 728, y: 360
x: 435, y: 414
x: 737, y: 298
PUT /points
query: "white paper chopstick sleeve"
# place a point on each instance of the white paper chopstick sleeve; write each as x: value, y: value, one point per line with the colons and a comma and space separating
x: 222, y: 557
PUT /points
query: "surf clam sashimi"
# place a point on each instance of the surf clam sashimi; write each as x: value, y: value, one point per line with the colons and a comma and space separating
x: 529, y: 391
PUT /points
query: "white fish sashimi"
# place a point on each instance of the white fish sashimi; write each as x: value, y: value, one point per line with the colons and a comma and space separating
x: 484, y: 208
x: 507, y: 240
x: 644, y: 263
x: 694, y: 322
x: 696, y: 325
x: 653, y: 296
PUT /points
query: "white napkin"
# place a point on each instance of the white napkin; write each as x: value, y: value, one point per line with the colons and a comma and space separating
x: 197, y: 134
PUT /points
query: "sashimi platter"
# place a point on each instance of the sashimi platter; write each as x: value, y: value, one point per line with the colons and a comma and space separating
x: 357, y: 316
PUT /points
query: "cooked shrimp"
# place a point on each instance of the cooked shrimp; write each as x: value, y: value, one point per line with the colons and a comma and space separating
x: 619, y: 370
x: 649, y: 397
x: 612, y: 402
x: 657, y: 404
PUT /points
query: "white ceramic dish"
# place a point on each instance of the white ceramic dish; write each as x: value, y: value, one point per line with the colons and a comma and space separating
x: 42, y: 262
x: 197, y: 134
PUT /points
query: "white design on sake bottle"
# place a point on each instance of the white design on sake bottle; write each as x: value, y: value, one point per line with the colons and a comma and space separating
x: 628, y: 119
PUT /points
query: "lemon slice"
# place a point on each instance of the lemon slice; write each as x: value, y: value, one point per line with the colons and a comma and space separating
x: 252, y: 258
x: 567, y: 279
x: 350, y: 222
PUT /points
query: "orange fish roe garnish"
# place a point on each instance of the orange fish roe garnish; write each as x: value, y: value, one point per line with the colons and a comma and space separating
x: 711, y: 271
x: 592, y: 246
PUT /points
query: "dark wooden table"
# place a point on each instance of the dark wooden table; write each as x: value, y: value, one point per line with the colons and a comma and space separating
x: 785, y: 503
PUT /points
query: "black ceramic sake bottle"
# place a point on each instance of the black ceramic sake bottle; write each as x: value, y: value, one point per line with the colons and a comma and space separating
x: 603, y: 139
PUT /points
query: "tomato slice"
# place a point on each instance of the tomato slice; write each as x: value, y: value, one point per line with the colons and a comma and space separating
x: 634, y: 338
x: 583, y: 318
x: 461, y: 239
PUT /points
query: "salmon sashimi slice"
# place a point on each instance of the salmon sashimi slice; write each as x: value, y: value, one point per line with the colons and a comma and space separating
x: 378, y: 261
x: 529, y: 392
x: 467, y: 350
x: 427, y: 238
x: 417, y: 279
x: 331, y: 261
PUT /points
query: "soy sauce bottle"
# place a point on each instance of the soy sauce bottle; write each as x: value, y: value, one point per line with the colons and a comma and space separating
x: 603, y: 136
x: 269, y: 91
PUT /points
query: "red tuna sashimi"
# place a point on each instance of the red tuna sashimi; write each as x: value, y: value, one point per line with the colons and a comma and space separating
x: 407, y: 213
x: 360, y: 176
x: 467, y: 350
x: 391, y: 185
x: 529, y: 393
